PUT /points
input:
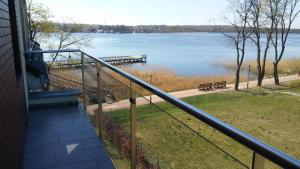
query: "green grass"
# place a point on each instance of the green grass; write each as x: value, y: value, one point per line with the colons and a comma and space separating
x: 295, y: 86
x: 260, y: 91
x: 272, y: 117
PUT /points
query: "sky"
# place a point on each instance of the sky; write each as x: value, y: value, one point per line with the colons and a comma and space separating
x: 140, y: 12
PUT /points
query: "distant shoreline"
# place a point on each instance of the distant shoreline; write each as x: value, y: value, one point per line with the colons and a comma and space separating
x: 164, y: 32
x: 157, y: 28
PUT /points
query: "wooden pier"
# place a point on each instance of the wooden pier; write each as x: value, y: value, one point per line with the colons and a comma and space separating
x: 114, y: 60
x: 122, y: 60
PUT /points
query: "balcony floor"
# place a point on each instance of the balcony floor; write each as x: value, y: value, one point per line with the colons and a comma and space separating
x: 63, y: 138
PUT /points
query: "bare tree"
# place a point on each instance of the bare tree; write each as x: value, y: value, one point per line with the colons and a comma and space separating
x: 38, y: 19
x: 262, y: 19
x: 55, y: 35
x: 65, y: 36
x: 238, y: 11
x: 286, y: 15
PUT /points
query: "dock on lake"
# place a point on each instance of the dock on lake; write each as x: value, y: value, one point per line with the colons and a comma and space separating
x: 121, y: 60
x: 114, y: 60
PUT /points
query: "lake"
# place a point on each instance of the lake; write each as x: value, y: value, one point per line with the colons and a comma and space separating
x: 186, y: 53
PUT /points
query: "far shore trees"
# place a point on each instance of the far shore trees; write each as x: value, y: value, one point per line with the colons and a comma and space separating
x: 239, y: 11
x: 286, y: 15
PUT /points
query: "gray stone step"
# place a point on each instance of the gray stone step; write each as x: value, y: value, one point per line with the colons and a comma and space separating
x: 48, y: 99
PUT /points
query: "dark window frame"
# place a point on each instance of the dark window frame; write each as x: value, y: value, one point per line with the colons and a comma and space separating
x: 15, y: 38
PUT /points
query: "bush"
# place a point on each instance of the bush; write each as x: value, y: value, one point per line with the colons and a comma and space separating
x: 120, y: 138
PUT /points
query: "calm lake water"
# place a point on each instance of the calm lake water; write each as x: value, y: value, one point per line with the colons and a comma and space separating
x: 186, y: 53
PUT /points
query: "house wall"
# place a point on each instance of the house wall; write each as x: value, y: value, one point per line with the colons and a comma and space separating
x: 13, y: 110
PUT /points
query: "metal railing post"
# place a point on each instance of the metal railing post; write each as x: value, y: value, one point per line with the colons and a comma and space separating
x: 83, y: 80
x: 99, y: 95
x: 133, y: 127
x: 258, y: 161
x: 150, y: 91
x: 249, y: 69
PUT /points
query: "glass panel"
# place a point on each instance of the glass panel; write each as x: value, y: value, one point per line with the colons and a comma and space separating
x: 167, y: 136
x: 53, y: 72
x: 115, y: 91
x: 270, y: 165
x: 179, y: 145
x: 90, y: 81
x: 165, y: 141
x: 221, y: 142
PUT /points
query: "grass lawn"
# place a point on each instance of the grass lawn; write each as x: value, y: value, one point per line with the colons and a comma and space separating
x: 293, y: 87
x: 273, y: 118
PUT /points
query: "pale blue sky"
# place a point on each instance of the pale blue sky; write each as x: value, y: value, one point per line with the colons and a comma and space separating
x: 140, y: 12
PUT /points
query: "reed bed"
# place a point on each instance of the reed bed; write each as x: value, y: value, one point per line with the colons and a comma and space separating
x: 164, y: 79
x: 70, y: 74
x: 170, y: 81
x: 285, y: 67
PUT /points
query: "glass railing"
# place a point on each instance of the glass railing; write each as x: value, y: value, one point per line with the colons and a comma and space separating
x: 145, y: 127
x: 54, y: 71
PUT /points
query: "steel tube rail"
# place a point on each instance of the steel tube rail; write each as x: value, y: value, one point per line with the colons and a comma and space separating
x: 276, y: 156
x: 52, y: 51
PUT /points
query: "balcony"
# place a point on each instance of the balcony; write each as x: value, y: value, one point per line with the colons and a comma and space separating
x: 61, y: 138
x: 88, y: 134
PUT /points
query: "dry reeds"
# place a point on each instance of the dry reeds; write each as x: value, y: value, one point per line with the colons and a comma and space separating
x: 164, y: 79
x: 169, y: 81
x: 286, y: 67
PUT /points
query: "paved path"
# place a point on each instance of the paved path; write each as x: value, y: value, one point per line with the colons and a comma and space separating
x: 63, y: 138
x: 186, y: 93
x: 291, y: 93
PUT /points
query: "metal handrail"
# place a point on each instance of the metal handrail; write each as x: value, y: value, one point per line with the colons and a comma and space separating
x: 276, y: 156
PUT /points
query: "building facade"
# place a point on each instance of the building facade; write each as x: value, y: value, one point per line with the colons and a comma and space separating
x: 13, y: 107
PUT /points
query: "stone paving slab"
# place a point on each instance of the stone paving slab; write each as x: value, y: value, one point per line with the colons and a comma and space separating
x: 63, y: 138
